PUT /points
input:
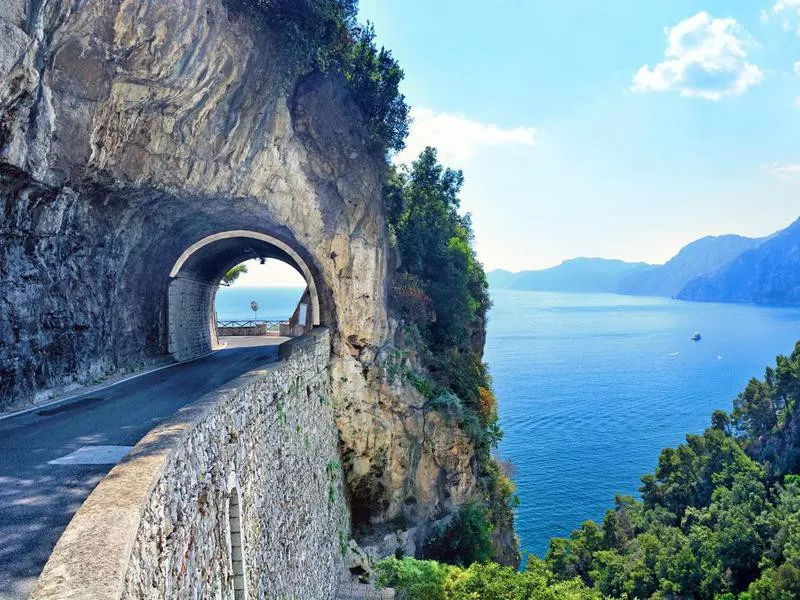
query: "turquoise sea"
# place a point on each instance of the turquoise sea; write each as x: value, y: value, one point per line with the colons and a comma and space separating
x: 592, y: 386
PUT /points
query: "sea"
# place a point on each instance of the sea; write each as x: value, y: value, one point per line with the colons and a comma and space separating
x: 591, y: 387
x: 274, y: 304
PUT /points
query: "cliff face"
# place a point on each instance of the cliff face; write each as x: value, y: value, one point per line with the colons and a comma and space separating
x: 128, y: 131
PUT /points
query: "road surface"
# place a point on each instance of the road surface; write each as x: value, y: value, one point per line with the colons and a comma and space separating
x: 38, y: 497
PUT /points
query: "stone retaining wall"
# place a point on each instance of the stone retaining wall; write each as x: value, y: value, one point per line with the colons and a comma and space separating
x: 190, y: 335
x: 159, y: 525
x: 249, y: 330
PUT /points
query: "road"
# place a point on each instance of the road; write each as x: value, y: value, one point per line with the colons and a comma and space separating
x: 38, y: 498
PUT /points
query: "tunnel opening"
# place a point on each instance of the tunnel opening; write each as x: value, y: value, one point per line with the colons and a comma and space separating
x: 259, y: 298
x: 194, y: 323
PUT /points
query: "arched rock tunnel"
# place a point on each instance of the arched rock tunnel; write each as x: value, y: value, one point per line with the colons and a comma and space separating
x: 103, y: 280
x: 195, y: 278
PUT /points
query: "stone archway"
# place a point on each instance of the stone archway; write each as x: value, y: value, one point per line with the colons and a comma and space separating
x: 196, y: 274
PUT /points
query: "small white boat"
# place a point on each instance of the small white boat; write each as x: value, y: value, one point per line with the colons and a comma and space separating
x: 696, y: 336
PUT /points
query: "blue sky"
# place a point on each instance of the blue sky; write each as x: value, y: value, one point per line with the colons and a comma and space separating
x: 622, y: 129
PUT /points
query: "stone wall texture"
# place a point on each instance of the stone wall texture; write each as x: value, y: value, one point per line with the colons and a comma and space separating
x: 270, y: 435
x: 129, y: 131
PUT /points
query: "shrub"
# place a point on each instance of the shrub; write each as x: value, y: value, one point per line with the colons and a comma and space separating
x: 430, y: 580
x: 464, y: 540
x: 413, y: 579
x: 411, y: 302
x: 325, y: 35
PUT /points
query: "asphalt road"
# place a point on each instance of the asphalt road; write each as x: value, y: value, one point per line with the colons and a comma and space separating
x: 38, y: 499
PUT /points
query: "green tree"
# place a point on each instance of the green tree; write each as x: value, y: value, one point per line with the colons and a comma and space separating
x: 325, y: 36
x: 429, y: 580
x: 234, y: 273
x: 415, y: 579
x: 464, y: 540
x: 441, y: 295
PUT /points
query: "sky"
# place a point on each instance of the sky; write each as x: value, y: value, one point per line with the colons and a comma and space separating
x: 621, y: 129
x: 273, y: 273
x: 616, y: 128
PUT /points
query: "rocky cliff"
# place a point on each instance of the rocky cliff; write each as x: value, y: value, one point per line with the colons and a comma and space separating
x: 128, y: 131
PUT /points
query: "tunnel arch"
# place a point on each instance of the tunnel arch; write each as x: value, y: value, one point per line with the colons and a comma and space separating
x: 194, y: 280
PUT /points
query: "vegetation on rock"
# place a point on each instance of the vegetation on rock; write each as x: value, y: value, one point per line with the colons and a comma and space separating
x: 326, y: 36
x: 463, y: 541
x: 440, y: 292
x: 431, y: 580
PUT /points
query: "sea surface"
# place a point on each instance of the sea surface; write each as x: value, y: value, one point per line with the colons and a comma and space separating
x: 592, y: 386
x: 274, y: 304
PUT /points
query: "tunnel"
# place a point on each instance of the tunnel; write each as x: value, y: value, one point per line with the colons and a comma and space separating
x: 195, y: 278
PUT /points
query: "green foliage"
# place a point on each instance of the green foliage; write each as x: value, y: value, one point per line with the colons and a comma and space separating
x: 441, y: 294
x: 281, y: 412
x: 318, y: 30
x: 464, y: 540
x: 374, y: 77
x: 435, y: 244
x: 413, y: 579
x: 421, y: 383
x: 325, y: 35
x: 719, y: 518
x: 441, y: 287
x: 430, y: 580
x: 233, y: 274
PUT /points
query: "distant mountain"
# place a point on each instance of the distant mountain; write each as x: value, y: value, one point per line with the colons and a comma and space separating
x: 499, y: 278
x: 767, y: 274
x: 575, y: 275
x: 698, y: 258
x: 726, y: 268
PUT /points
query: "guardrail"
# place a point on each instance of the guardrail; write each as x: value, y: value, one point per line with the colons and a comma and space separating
x: 250, y: 328
x: 253, y: 323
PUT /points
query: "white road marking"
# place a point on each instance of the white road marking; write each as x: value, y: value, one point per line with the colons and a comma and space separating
x: 94, y: 455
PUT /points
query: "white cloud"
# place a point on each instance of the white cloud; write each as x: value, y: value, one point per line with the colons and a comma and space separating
x: 273, y: 273
x: 790, y: 11
x: 705, y: 58
x: 457, y: 138
x: 784, y: 172
x: 786, y: 6
x: 764, y: 16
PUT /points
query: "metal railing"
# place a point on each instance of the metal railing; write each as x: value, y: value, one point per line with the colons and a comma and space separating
x: 254, y: 323
x: 245, y: 328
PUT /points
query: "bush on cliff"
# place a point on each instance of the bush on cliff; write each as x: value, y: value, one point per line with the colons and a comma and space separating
x: 325, y: 35
x: 441, y: 287
x: 464, y: 540
x: 441, y: 294
x: 429, y: 580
